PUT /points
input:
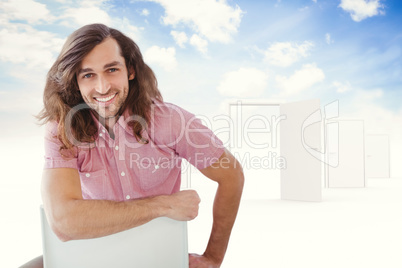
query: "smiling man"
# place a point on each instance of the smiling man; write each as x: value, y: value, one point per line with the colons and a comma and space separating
x: 104, y: 87
x: 113, y: 147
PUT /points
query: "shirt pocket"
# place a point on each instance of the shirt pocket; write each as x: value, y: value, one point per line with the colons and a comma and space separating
x: 93, y: 184
x: 154, y: 171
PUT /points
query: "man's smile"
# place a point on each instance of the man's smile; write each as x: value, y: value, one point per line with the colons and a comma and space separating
x: 105, y: 100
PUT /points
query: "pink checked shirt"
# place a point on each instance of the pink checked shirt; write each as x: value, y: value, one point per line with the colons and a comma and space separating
x: 121, y: 168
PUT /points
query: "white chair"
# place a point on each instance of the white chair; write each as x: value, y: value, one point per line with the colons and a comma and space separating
x: 161, y: 242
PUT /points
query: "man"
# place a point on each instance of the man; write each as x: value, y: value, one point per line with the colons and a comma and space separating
x: 113, y: 147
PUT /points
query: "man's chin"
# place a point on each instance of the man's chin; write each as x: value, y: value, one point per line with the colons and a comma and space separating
x: 106, y: 116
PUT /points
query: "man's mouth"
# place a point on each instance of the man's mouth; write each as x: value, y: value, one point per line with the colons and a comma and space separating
x: 105, y: 99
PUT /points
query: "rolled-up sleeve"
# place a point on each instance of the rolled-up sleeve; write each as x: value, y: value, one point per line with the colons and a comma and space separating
x: 53, y: 157
x: 194, y: 141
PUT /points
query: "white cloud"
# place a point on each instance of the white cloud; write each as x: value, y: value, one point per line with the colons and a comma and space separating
x: 180, y: 38
x: 28, y: 10
x: 32, y: 51
x: 342, y: 87
x: 215, y: 20
x: 126, y: 28
x: 199, y: 43
x: 245, y: 82
x: 328, y: 39
x: 301, y: 80
x: 145, y: 12
x: 88, y: 11
x: 163, y: 57
x: 92, y: 11
x: 362, y: 9
x: 28, y: 46
x: 286, y: 53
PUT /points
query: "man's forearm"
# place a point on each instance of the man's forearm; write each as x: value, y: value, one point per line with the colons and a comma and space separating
x: 225, y: 209
x: 81, y: 219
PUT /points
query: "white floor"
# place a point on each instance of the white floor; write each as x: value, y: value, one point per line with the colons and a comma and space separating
x: 349, y: 228
x: 359, y: 227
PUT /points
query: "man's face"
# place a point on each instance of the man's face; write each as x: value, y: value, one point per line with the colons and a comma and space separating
x: 103, y: 78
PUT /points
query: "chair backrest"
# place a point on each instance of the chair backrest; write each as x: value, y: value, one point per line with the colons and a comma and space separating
x: 161, y: 242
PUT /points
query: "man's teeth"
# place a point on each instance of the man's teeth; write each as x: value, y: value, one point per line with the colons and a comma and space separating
x: 106, y: 99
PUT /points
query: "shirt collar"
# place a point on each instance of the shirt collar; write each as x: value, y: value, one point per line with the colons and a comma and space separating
x: 122, y: 122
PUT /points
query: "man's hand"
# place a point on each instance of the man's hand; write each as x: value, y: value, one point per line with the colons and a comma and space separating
x: 201, y: 261
x: 183, y: 205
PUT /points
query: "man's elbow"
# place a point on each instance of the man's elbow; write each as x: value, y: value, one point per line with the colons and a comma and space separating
x: 62, y: 226
x: 60, y: 233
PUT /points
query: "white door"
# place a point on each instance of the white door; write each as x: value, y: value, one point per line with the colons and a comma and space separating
x: 350, y: 155
x: 300, y: 140
x: 377, y: 156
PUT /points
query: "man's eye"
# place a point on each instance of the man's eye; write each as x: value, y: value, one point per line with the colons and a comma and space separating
x: 112, y: 70
x: 87, y: 76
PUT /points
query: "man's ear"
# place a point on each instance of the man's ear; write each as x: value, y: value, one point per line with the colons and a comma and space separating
x: 132, y: 73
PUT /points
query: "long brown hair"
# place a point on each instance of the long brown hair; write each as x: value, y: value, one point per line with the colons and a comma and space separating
x: 62, y: 94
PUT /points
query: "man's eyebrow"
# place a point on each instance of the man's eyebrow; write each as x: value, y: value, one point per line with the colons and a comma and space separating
x: 113, y: 63
x: 85, y: 70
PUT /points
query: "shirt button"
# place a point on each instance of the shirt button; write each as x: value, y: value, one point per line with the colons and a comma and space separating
x: 87, y: 175
x: 123, y: 174
x: 127, y: 197
x: 104, y: 131
x: 100, y: 135
x: 117, y: 147
x: 156, y: 166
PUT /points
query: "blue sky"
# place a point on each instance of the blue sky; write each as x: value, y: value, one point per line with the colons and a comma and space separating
x: 205, y: 53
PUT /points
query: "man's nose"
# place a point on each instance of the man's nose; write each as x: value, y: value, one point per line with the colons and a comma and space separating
x: 102, y: 85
